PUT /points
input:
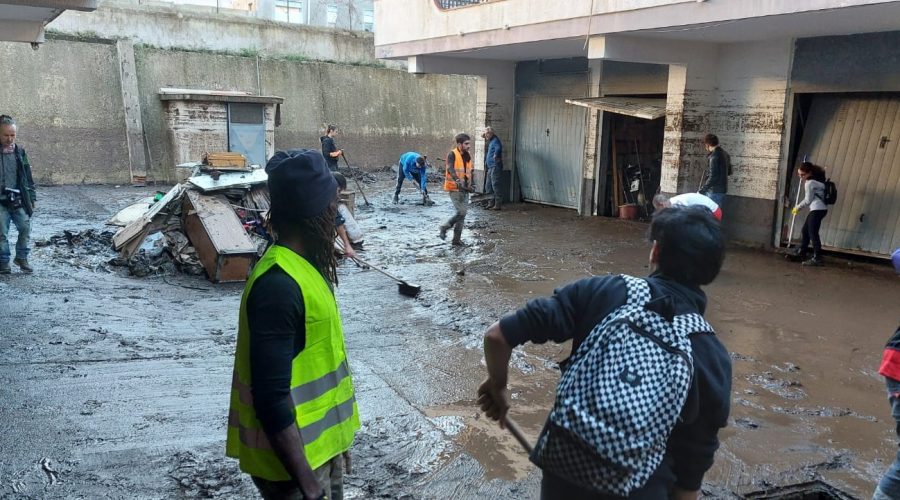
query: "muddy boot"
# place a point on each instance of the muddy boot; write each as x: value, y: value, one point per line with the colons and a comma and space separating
x: 4, y: 268
x: 23, y: 265
x: 796, y: 255
x: 815, y: 261
x: 443, y: 233
x: 457, y: 236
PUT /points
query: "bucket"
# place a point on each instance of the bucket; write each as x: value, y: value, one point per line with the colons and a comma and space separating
x: 628, y: 212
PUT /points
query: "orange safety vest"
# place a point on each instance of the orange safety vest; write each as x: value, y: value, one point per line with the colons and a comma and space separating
x: 463, y: 171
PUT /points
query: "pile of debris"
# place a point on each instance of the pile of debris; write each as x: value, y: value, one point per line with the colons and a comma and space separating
x: 212, y: 222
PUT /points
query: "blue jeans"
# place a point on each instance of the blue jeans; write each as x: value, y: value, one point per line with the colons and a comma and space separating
x: 716, y: 197
x: 890, y: 482
x: 493, y: 182
x: 23, y: 225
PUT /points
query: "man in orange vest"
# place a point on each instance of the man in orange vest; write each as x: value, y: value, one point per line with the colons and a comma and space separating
x: 458, y: 183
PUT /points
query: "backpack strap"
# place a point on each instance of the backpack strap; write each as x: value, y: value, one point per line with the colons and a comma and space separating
x: 688, y: 324
x: 638, y: 291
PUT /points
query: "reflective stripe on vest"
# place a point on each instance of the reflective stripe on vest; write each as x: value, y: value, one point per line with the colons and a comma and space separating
x: 321, y: 386
x: 463, y: 171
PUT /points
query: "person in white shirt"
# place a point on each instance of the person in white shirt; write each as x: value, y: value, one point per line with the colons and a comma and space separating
x: 662, y: 201
x: 813, y: 178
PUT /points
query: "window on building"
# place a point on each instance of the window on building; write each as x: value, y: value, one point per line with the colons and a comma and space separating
x: 331, y: 18
x: 368, y: 20
x: 455, y: 4
x: 289, y: 11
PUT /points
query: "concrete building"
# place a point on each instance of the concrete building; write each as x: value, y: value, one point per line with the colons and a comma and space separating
x: 602, y: 103
x: 357, y: 15
x: 25, y: 20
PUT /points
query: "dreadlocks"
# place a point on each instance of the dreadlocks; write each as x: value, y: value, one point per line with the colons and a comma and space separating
x: 317, y: 234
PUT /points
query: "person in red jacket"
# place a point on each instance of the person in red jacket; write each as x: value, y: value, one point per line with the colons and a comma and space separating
x: 889, y: 486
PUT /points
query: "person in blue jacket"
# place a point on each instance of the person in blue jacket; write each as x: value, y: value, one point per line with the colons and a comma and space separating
x: 413, y: 167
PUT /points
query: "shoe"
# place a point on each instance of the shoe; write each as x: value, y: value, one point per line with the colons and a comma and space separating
x: 23, y: 265
x: 796, y: 255
x: 495, y: 207
x: 396, y: 199
x: 489, y: 206
x: 815, y: 262
x: 459, y: 243
x: 4, y: 268
x: 444, y: 230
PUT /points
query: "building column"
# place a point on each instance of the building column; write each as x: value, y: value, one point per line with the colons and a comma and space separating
x: 591, y: 142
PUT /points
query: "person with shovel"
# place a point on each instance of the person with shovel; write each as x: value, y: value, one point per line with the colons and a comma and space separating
x: 293, y: 412
x: 626, y: 424
x: 458, y: 183
x: 329, y: 150
x: 813, y: 178
x: 413, y: 167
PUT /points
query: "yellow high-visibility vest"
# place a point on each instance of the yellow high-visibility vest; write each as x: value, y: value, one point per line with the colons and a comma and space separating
x: 321, y: 386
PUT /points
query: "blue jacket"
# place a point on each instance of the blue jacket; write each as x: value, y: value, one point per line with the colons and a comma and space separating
x: 494, y: 156
x: 409, y: 164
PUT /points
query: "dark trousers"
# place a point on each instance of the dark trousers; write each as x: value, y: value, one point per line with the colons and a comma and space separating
x: 554, y: 487
x: 811, y: 232
x: 401, y: 177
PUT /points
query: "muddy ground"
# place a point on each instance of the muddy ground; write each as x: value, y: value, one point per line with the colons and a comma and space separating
x: 117, y: 387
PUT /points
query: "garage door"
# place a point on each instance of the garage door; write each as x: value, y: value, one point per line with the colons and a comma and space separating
x: 549, y: 150
x: 856, y: 138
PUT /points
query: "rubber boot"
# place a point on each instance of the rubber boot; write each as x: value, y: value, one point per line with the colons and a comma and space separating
x: 4, y: 268
x: 24, y: 265
x: 457, y: 236
x: 396, y: 199
x: 444, y: 229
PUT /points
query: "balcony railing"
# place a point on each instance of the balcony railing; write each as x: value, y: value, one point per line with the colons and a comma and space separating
x: 455, y: 4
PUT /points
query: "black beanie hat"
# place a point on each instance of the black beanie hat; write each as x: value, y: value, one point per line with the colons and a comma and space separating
x: 300, y: 182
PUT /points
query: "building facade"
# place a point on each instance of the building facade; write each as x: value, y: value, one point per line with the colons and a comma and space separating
x: 356, y: 15
x: 604, y: 103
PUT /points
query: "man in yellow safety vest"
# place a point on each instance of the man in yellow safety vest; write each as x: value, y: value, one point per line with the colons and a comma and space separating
x: 293, y: 411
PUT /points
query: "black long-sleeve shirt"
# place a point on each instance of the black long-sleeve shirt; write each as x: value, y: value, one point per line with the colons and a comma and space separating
x: 575, y: 309
x: 328, y: 147
x: 717, y: 172
x: 276, y: 318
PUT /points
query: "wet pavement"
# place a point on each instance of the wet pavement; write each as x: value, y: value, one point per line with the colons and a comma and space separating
x: 117, y: 387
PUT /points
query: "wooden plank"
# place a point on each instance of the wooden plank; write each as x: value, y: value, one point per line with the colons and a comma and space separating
x: 225, y: 160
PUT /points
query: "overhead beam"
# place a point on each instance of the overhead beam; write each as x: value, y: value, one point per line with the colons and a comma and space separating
x: 84, y: 5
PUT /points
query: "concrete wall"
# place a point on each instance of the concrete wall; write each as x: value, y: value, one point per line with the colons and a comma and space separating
x: 200, y: 28
x: 67, y: 100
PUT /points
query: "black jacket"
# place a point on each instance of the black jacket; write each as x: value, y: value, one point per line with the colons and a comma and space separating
x: 574, y: 310
x: 25, y: 180
x: 717, y: 172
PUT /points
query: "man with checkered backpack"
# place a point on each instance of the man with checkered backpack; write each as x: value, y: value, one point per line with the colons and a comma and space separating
x: 647, y: 387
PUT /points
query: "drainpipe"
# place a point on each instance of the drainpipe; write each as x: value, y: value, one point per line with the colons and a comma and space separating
x: 308, y: 11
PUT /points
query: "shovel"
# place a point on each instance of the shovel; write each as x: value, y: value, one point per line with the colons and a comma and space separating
x: 358, y: 186
x: 403, y: 287
x: 517, y: 433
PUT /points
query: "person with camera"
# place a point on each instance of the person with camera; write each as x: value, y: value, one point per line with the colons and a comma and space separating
x: 17, y: 196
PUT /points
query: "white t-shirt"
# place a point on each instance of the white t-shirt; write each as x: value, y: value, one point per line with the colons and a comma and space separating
x: 694, y: 199
x: 354, y: 232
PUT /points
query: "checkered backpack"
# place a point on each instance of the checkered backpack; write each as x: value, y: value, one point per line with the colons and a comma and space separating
x: 619, y: 397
